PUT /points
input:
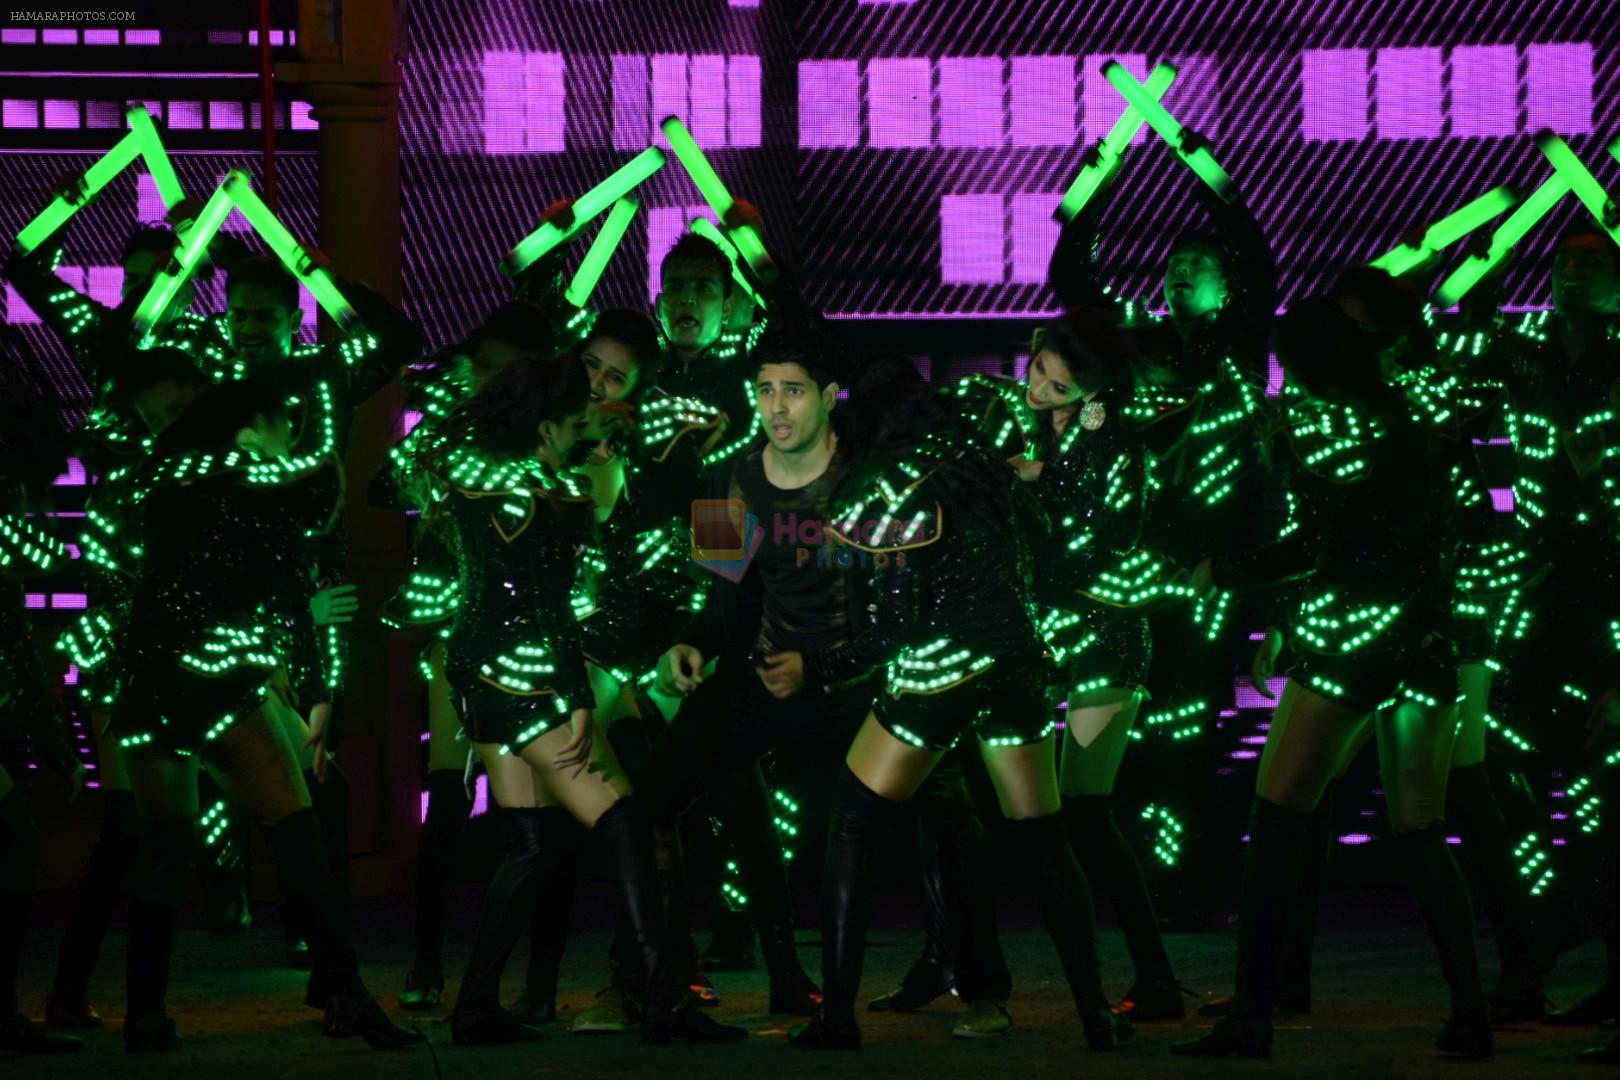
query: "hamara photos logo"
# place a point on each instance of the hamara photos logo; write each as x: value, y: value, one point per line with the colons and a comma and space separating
x: 725, y: 536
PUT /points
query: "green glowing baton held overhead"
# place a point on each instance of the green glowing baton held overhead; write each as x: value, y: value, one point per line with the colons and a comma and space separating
x: 185, y: 260
x: 601, y: 251
x: 289, y: 251
x: 1507, y: 234
x: 1581, y: 181
x: 1447, y: 231
x: 1199, y: 159
x: 549, y: 237
x: 156, y: 158
x: 714, y: 191
x: 709, y: 231
x: 61, y: 208
x: 1110, y: 152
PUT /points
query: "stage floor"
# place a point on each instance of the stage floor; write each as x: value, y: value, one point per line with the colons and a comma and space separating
x: 1380, y: 1004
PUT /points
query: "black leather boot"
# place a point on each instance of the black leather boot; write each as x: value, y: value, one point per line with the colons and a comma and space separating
x: 1449, y: 911
x: 105, y: 884
x: 448, y: 807
x: 166, y: 847
x: 626, y: 837
x: 1065, y: 898
x: 1277, y: 839
x: 479, y: 1018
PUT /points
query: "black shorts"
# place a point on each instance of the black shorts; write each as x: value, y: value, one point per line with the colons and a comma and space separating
x: 165, y: 704
x: 1004, y: 705
x: 1100, y: 647
x: 512, y: 721
x: 1405, y: 664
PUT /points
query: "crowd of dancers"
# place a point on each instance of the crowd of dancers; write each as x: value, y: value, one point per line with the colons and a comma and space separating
x: 649, y: 551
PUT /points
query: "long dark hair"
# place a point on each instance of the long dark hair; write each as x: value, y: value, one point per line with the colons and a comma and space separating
x: 639, y: 335
x: 890, y: 411
x: 504, y: 420
x: 1099, y: 355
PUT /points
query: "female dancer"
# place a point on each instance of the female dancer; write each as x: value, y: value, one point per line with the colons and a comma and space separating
x: 226, y: 500
x: 1077, y: 448
x: 930, y: 510
x: 1376, y: 532
x: 524, y: 693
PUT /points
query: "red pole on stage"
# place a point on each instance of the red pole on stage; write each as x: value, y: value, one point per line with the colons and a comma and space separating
x: 267, y: 106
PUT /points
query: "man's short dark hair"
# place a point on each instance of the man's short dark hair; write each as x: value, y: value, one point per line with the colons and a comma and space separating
x: 268, y: 273
x: 816, y: 351
x: 1589, y: 231
x: 693, y: 248
x: 148, y: 239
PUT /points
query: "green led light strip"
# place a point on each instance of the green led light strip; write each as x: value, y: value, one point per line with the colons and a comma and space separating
x: 713, y: 190
x: 1101, y: 166
x: 1447, y: 231
x: 601, y: 251
x: 1507, y: 234
x: 549, y: 237
x: 1199, y: 159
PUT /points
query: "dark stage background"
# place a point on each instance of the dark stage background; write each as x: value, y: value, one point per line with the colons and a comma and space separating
x: 907, y: 154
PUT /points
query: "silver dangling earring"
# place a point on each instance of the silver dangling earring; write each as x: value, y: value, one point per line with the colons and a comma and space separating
x: 1092, y: 415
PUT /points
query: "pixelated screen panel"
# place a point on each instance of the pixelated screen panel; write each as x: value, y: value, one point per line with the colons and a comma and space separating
x: 907, y: 156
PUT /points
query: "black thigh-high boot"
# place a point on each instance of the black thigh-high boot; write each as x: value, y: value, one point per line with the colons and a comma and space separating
x: 625, y: 833
x: 1277, y: 839
x: 1449, y: 911
x: 1111, y: 867
x: 19, y: 862
x: 103, y: 887
x: 1294, y: 965
x: 1042, y: 844
x: 1487, y: 857
x: 856, y: 823
x: 334, y: 979
x: 447, y: 810
x: 957, y: 846
x: 932, y: 974
x: 329, y: 799
x: 166, y: 846
x: 510, y: 902
x: 548, y: 935
x: 758, y: 849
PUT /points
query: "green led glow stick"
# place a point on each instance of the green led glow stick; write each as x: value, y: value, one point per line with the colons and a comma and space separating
x: 714, y: 191
x: 1111, y: 150
x: 143, y: 142
x: 707, y: 229
x: 61, y: 208
x: 1199, y: 159
x: 1447, y: 231
x: 185, y: 260
x: 601, y: 251
x: 1581, y: 181
x: 1507, y: 234
x: 156, y: 158
x: 289, y: 251
x: 549, y: 237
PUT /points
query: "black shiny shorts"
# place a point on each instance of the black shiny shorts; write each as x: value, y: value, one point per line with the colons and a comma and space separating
x: 1005, y: 705
x: 1105, y: 647
x: 1397, y: 667
x: 512, y: 721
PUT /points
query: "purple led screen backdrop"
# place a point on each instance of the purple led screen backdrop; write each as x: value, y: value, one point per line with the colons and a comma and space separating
x: 906, y: 155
